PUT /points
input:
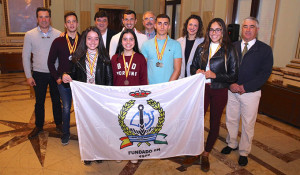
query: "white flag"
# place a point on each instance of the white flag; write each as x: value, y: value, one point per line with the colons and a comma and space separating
x: 140, y: 122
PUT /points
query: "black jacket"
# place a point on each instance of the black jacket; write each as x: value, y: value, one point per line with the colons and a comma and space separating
x: 103, y: 74
x: 110, y: 34
x: 217, y: 65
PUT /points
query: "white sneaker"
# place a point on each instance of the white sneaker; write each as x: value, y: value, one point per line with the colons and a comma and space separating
x: 134, y: 161
x: 118, y: 161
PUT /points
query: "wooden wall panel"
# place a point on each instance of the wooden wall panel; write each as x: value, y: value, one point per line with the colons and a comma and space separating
x: 207, y: 16
x: 11, y: 62
x: 85, y: 19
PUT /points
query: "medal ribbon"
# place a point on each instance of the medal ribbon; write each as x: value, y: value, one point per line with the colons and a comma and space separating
x: 127, y: 69
x: 160, y: 55
x: 209, y: 56
x: 94, y: 61
x: 72, y: 48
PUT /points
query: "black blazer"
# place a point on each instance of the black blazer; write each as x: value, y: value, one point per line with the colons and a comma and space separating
x: 226, y: 74
x: 110, y: 34
x: 255, y: 67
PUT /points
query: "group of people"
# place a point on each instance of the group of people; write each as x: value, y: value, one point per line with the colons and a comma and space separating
x: 234, y: 72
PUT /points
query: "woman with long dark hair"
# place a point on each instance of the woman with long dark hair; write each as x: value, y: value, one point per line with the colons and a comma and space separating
x: 216, y: 58
x: 128, y: 64
x: 91, y: 63
x: 127, y: 53
x: 192, y: 36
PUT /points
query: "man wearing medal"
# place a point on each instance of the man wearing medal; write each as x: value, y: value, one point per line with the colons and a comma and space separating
x: 62, y: 49
x: 129, y: 20
x: 163, y: 54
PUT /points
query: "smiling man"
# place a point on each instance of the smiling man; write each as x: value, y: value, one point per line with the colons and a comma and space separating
x: 38, y: 42
x: 101, y: 22
x: 256, y: 61
x: 149, y: 22
x: 163, y: 54
x: 129, y: 20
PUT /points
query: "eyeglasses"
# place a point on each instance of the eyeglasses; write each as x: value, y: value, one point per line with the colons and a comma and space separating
x: 43, y: 37
x: 151, y: 19
x: 217, y: 30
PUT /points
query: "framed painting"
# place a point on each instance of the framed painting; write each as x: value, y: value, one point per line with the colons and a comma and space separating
x: 20, y: 15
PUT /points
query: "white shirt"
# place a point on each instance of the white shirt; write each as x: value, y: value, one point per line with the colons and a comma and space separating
x: 115, y: 40
x: 250, y: 44
x: 213, y: 47
x: 104, y: 36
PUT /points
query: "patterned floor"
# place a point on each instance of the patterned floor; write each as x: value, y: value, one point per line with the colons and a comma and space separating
x: 275, y: 149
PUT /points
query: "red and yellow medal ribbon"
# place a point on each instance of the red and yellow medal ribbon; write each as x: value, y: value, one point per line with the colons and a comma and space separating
x: 127, y: 68
x: 91, y: 65
x: 160, y: 54
x: 72, y: 48
x: 209, y: 56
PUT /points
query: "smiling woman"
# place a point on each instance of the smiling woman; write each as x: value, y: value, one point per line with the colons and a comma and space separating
x: 91, y: 63
x: 128, y: 64
x: 216, y: 59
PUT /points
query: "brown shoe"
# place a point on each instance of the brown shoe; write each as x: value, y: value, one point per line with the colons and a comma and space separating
x: 35, y: 132
x: 205, y: 166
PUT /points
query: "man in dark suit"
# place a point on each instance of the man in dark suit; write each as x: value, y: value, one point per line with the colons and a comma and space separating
x: 101, y: 22
x: 256, y: 61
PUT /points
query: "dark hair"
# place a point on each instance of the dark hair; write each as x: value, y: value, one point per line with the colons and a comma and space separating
x: 120, y: 47
x: 70, y: 14
x: 225, y: 41
x: 163, y: 16
x: 82, y: 48
x: 42, y: 9
x: 200, y: 27
x: 129, y: 12
x: 100, y: 14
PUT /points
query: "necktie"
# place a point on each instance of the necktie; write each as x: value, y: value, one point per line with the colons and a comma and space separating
x: 245, y: 50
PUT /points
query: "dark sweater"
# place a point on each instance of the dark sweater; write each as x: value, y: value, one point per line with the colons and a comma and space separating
x: 59, y: 50
x: 255, y: 67
x: 137, y: 73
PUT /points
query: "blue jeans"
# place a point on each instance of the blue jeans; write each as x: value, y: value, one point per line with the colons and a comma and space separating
x: 66, y: 97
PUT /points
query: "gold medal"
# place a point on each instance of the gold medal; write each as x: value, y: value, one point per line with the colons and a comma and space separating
x: 91, y: 64
x: 160, y: 54
x: 126, y: 82
x: 72, y: 48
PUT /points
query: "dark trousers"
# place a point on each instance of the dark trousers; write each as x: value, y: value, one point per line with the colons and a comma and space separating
x: 216, y: 99
x: 42, y: 80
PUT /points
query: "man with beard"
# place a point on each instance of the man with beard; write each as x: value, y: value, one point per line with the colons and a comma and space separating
x: 129, y: 20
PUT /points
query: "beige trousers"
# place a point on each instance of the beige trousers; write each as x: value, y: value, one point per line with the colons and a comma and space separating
x: 244, y: 107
